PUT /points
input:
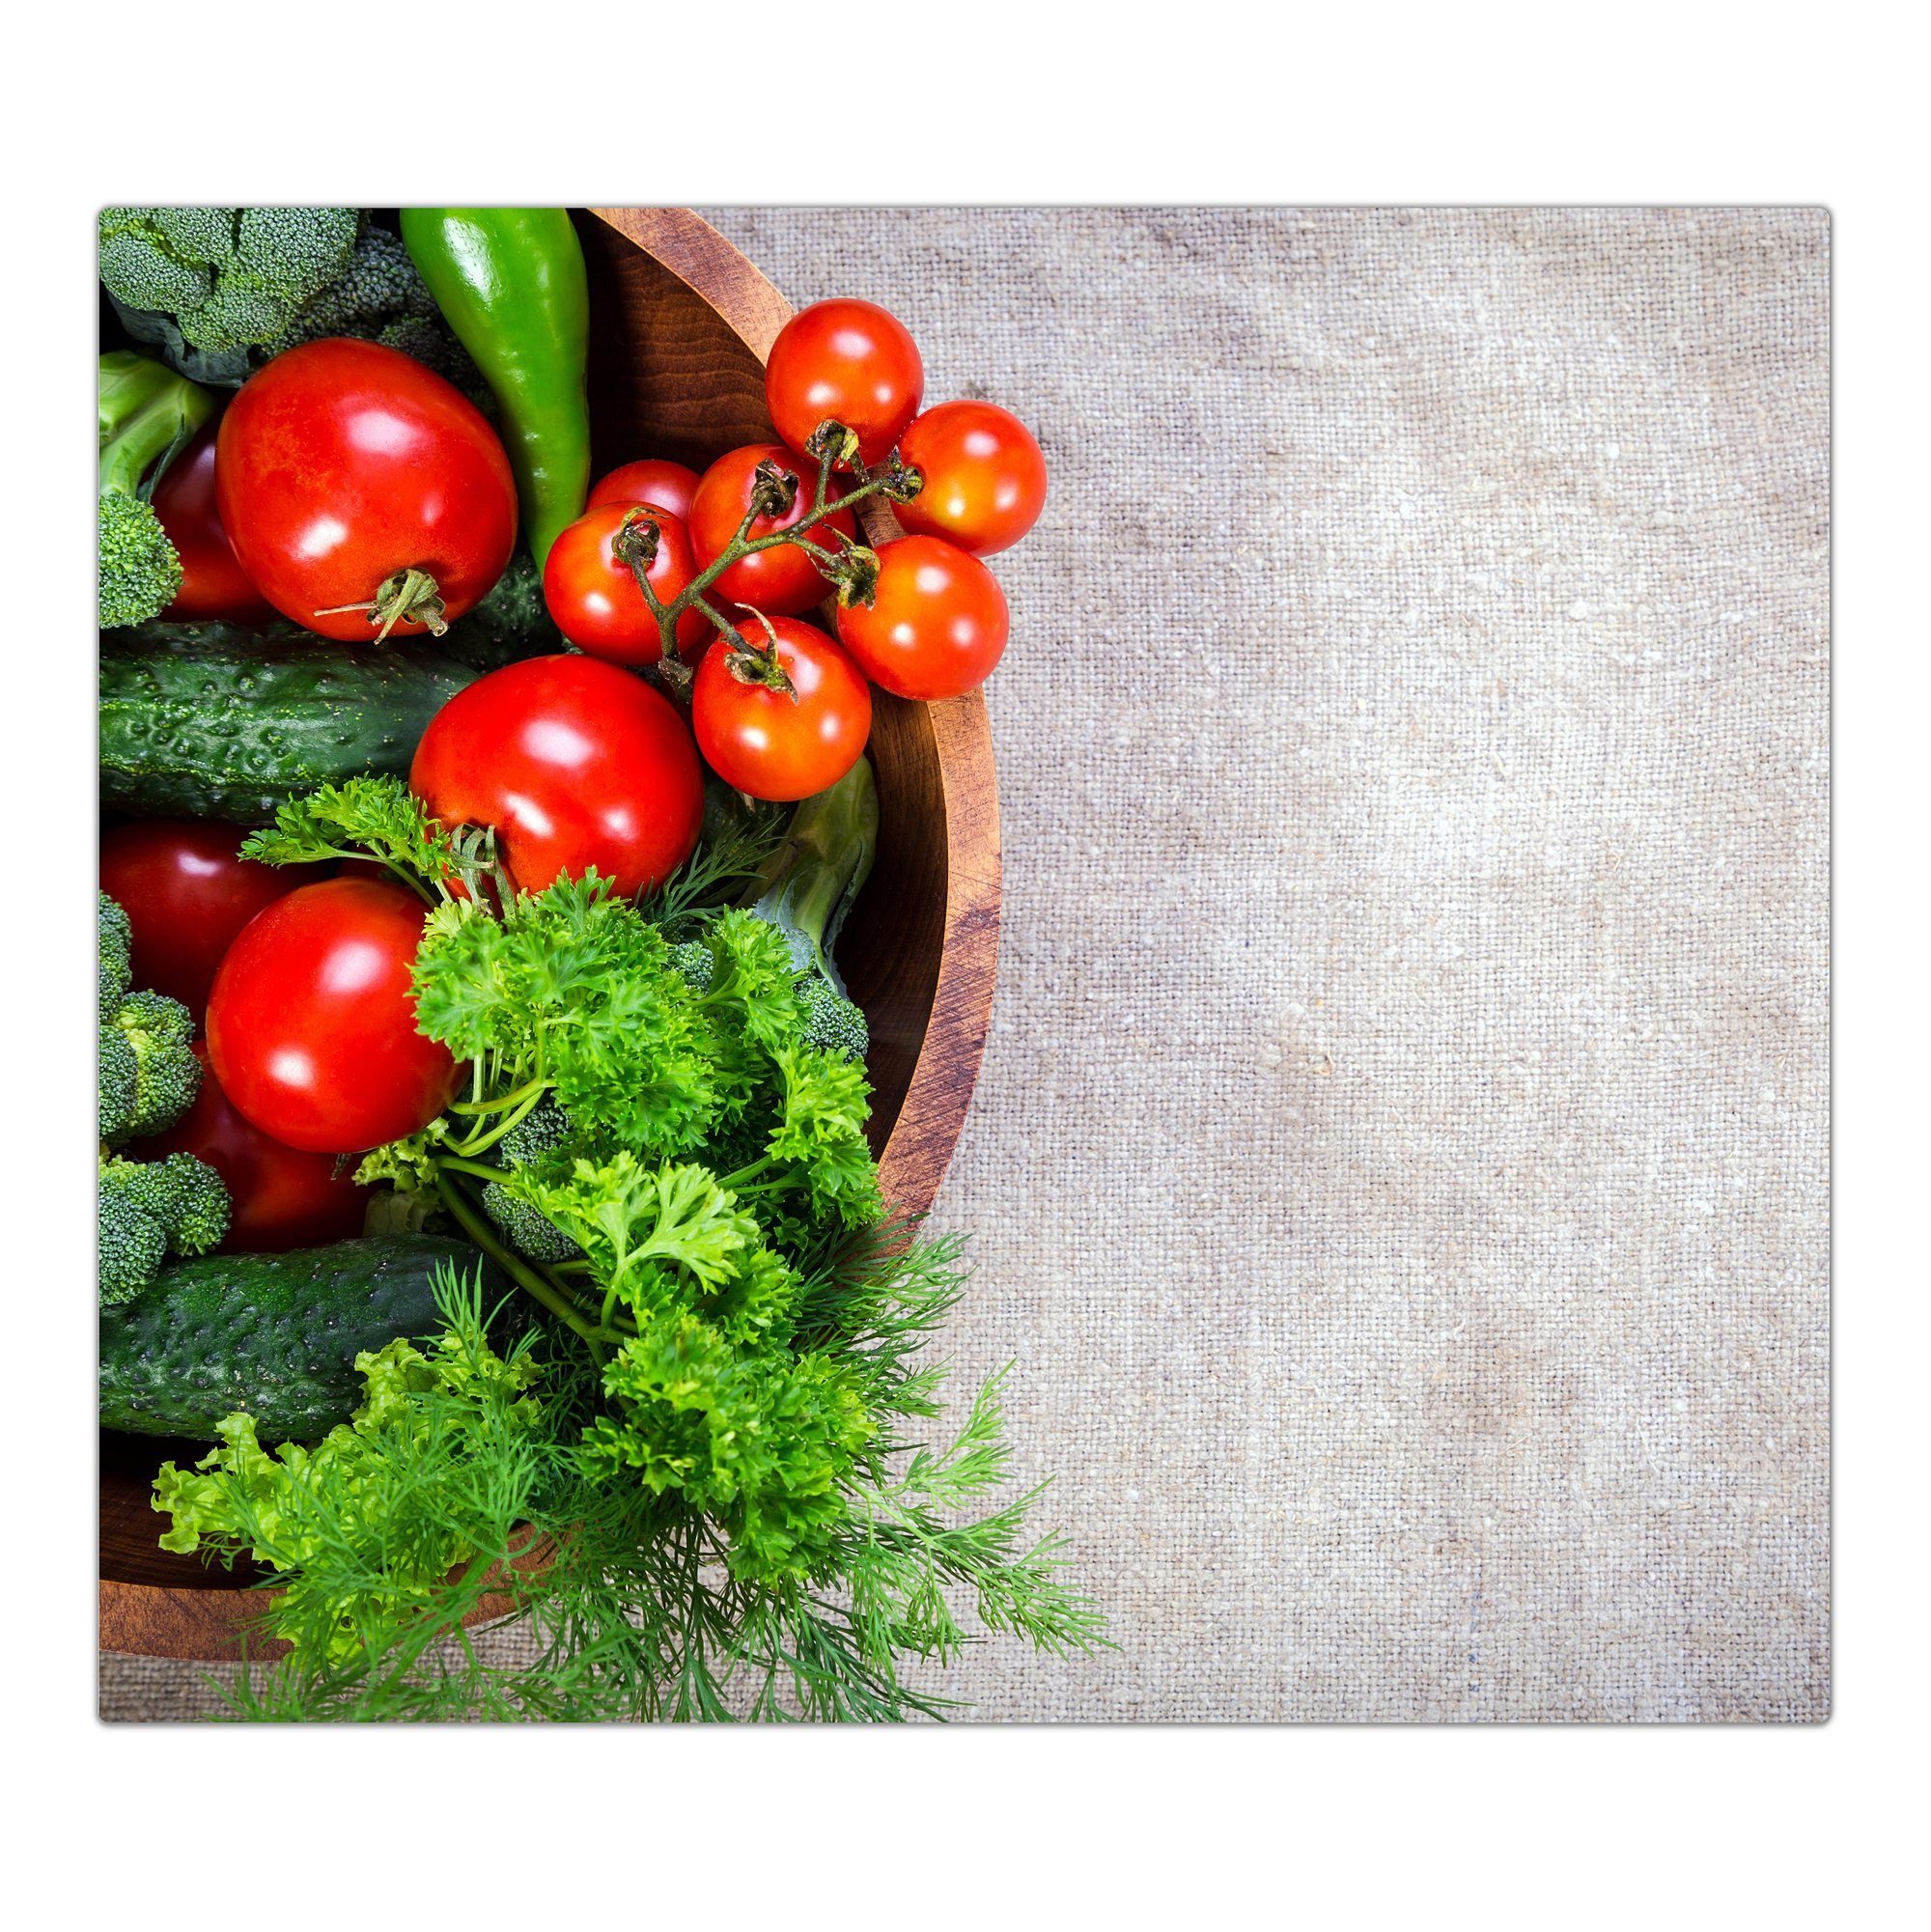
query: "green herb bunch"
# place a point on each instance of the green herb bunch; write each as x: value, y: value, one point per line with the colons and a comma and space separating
x: 711, y: 1437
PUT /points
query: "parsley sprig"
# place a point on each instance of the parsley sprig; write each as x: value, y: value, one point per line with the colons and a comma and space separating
x: 712, y: 1436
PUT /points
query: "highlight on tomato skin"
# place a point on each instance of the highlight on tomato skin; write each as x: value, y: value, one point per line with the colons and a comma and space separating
x: 650, y: 480
x: 936, y: 625
x: 783, y: 580
x: 789, y: 737
x: 347, y: 472
x: 984, y: 477
x: 280, y: 1197
x: 214, y: 583
x: 575, y: 764
x: 312, y: 1025
x: 591, y: 593
x: 187, y: 893
x: 846, y: 361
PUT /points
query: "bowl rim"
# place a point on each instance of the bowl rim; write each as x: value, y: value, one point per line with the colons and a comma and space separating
x: 206, y: 1625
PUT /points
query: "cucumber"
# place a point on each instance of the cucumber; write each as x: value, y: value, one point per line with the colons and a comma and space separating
x: 276, y: 1334
x: 212, y: 721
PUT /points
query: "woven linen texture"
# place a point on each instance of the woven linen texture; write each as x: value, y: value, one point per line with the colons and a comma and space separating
x: 1399, y: 1165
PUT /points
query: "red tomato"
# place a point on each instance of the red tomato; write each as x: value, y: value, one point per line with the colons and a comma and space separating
x: 312, y: 1024
x: 186, y: 895
x: 576, y: 763
x: 780, y: 581
x: 670, y: 486
x: 849, y: 361
x: 781, y: 744
x: 341, y: 463
x: 595, y: 599
x: 985, y: 478
x: 213, y: 585
x: 937, y: 623
x: 281, y: 1196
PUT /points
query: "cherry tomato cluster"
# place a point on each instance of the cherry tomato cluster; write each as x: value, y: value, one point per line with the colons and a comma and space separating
x: 354, y: 492
x: 724, y: 567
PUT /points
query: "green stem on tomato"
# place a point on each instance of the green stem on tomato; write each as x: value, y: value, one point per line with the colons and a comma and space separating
x: 745, y: 544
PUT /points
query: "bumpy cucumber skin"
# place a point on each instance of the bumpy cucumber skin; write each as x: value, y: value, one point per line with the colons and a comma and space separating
x: 212, y: 721
x: 276, y: 1334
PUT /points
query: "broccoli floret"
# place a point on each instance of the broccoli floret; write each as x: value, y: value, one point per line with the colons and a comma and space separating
x: 151, y: 1210
x: 541, y: 1131
x: 140, y: 569
x: 119, y: 1071
x: 116, y: 941
x: 133, y: 1246
x: 524, y: 1229
x: 148, y: 1071
x: 184, y: 1194
x: 380, y: 286
x: 696, y: 961
x: 167, y: 1076
x: 146, y: 413
x: 381, y: 296
x: 152, y: 266
x: 805, y: 892
x: 830, y: 1019
x: 227, y: 277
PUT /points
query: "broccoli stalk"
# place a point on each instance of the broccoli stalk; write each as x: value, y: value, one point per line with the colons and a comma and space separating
x: 146, y: 413
x: 150, y: 1210
x: 805, y: 890
x: 148, y: 1069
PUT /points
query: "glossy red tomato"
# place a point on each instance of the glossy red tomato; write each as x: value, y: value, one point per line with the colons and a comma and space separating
x: 214, y: 583
x: 670, y: 486
x: 937, y: 623
x: 341, y: 463
x: 312, y: 1025
x: 594, y: 597
x: 186, y: 895
x: 849, y: 361
x: 780, y: 581
x: 576, y: 763
x: 985, y: 478
x: 774, y: 744
x: 280, y: 1197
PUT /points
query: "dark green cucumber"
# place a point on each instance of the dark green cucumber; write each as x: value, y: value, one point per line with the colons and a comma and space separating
x: 276, y: 1334
x: 212, y: 721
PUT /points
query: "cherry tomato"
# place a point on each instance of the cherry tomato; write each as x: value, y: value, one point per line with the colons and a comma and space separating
x: 186, y: 895
x: 576, y: 763
x: 594, y: 597
x: 780, y: 581
x: 341, y: 465
x: 214, y: 583
x: 985, y: 478
x: 937, y: 623
x: 670, y: 486
x: 848, y: 361
x: 312, y: 1024
x: 280, y: 1197
x: 774, y: 744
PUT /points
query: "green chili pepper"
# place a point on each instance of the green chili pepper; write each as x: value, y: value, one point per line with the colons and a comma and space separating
x: 511, y: 283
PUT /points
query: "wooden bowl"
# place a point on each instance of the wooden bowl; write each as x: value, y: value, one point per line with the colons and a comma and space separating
x: 682, y: 325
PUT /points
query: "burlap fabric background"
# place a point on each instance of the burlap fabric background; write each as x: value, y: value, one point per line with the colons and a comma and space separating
x: 1399, y: 1163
